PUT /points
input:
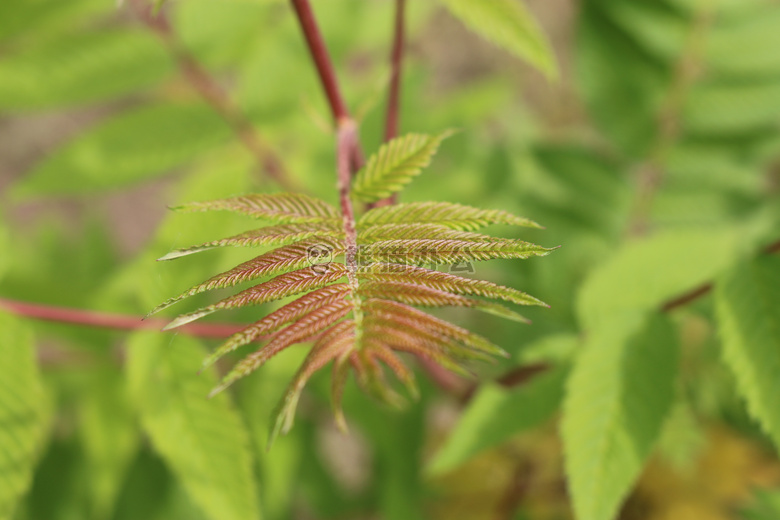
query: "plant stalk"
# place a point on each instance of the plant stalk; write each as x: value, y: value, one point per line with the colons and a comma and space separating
x: 321, y: 57
x: 106, y: 320
x: 396, y: 72
x: 328, y: 79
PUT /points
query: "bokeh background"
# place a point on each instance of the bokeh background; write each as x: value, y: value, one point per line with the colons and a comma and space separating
x: 665, y: 121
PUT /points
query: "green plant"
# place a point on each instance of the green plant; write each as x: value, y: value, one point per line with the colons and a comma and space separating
x: 648, y: 387
x: 379, y: 279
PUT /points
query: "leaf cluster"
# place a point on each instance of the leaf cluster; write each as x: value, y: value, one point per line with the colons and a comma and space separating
x: 360, y: 308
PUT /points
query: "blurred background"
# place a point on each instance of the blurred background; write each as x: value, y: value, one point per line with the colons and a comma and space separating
x: 665, y: 119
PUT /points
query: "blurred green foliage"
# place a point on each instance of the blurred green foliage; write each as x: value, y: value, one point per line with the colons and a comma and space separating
x: 657, y: 174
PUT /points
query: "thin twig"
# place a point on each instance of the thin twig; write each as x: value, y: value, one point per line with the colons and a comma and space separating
x: 686, y: 298
x: 107, y: 320
x: 210, y: 90
x: 702, y: 290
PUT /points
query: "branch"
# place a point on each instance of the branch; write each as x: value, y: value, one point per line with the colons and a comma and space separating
x: 327, y: 74
x: 396, y: 69
x: 106, y: 320
x: 321, y: 57
x: 215, y: 96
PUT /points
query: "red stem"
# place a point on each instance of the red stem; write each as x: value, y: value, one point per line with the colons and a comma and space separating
x: 345, y: 143
x: 394, y: 97
x: 327, y: 75
x: 396, y: 69
x: 321, y: 57
x: 112, y: 321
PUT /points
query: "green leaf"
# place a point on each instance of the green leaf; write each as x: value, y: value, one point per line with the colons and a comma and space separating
x: 85, y: 67
x: 202, y: 440
x: 221, y: 33
x: 659, y: 28
x: 418, y: 252
x: 399, y: 483
x: 579, y: 190
x: 395, y: 165
x: 683, y: 437
x: 23, y: 412
x: 443, y: 282
x: 280, y: 208
x: 109, y: 436
x: 130, y: 147
x: 23, y: 20
x: 617, y: 398
x: 623, y: 100
x: 737, y: 45
x: 508, y: 24
x: 279, y: 467
x: 646, y: 273
x: 748, y: 310
x: 447, y: 214
x: 495, y: 414
x: 728, y: 108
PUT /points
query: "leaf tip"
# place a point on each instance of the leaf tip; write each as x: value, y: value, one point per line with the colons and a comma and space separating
x: 217, y: 389
x: 169, y: 256
x: 341, y: 423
